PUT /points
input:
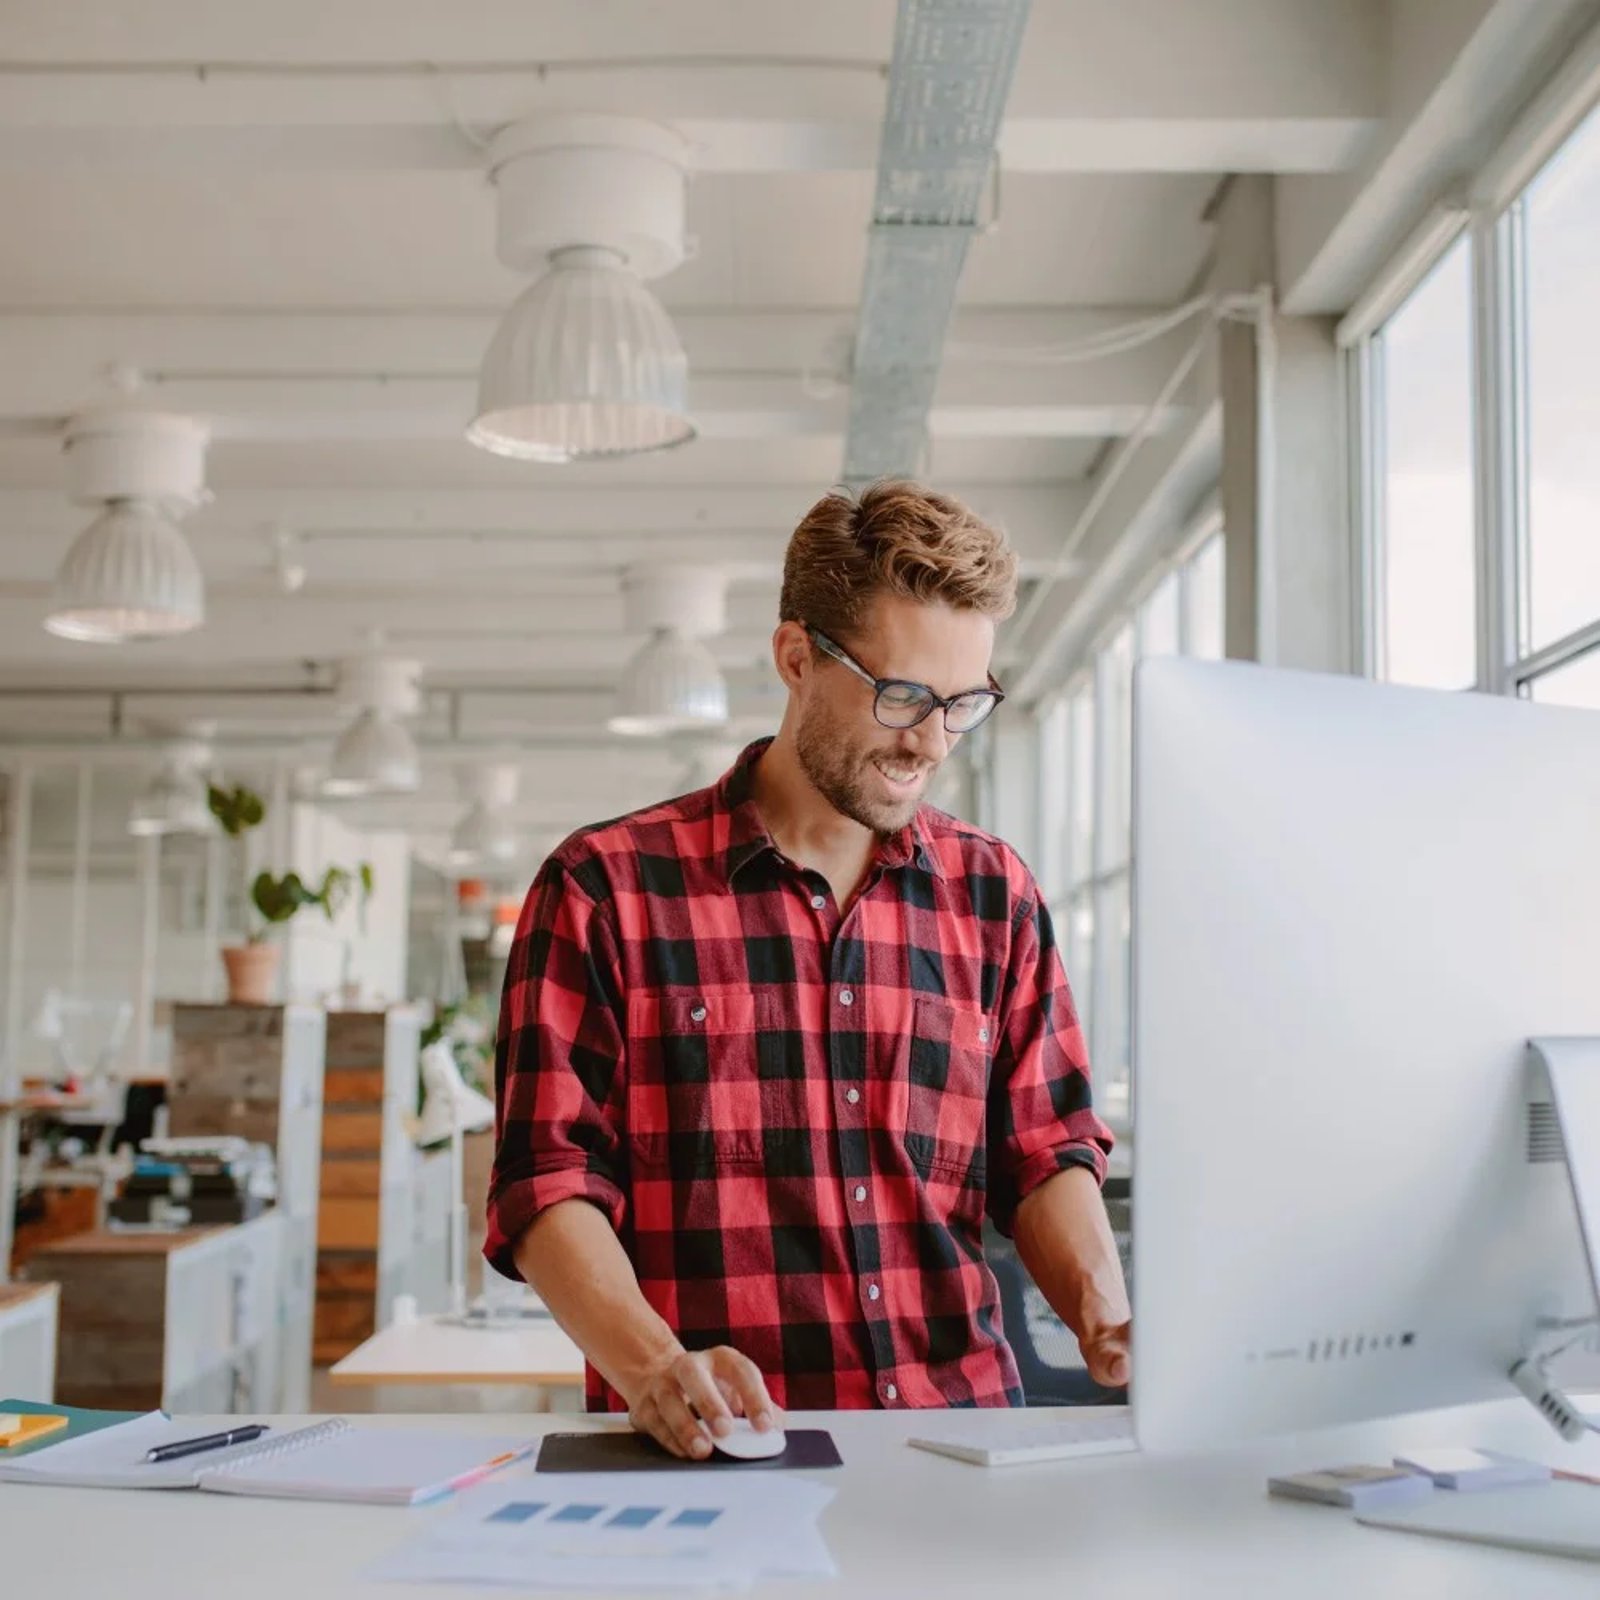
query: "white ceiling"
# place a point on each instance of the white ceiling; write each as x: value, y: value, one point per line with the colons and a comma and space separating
x: 279, y: 214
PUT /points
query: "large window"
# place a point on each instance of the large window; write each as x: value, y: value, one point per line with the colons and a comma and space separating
x: 1086, y: 776
x: 1560, y: 239
x: 1425, y: 560
x: 1481, y: 522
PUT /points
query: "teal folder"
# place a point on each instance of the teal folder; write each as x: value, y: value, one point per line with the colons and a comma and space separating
x: 82, y: 1421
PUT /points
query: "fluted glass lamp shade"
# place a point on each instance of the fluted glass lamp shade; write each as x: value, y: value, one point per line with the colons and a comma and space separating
x: 484, y: 835
x: 673, y: 685
x: 129, y: 575
x: 174, y: 801
x: 585, y: 364
x: 374, y: 755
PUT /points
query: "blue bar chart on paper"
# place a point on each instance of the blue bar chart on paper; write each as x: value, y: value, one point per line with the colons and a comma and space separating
x: 622, y: 1529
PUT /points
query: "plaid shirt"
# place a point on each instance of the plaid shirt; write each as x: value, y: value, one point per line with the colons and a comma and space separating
x: 795, y: 1119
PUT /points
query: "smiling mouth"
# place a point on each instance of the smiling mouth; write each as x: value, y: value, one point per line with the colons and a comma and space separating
x: 901, y: 776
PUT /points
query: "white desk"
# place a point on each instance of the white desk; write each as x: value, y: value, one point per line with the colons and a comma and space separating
x: 905, y: 1523
x: 433, y: 1349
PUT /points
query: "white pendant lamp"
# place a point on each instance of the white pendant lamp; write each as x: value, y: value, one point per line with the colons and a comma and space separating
x: 175, y: 799
x: 131, y: 574
x: 376, y: 753
x: 486, y: 835
x: 586, y: 363
x: 673, y: 683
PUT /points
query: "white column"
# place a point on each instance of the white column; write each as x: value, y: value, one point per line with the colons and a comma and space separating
x: 20, y: 820
x: 144, y: 996
x: 21, y: 816
x: 212, y: 986
x: 1290, y: 551
x: 80, y: 874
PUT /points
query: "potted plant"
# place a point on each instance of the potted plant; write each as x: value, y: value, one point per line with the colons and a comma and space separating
x: 253, y: 966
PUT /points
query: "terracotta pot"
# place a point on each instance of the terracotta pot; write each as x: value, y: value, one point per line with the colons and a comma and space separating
x: 252, y: 970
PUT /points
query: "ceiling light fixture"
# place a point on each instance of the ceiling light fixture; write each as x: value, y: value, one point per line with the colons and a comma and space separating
x: 175, y: 799
x: 486, y: 835
x: 586, y: 363
x: 673, y: 683
x: 131, y: 574
x: 376, y: 753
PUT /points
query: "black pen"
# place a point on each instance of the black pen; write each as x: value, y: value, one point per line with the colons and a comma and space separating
x: 209, y: 1441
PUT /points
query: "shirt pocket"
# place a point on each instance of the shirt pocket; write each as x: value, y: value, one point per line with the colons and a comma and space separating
x: 709, y: 1082
x: 947, y: 1089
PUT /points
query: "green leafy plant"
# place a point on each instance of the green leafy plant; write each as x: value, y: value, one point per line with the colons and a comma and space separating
x: 237, y: 809
x: 280, y: 898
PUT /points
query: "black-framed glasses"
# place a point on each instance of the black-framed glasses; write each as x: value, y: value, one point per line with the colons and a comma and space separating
x: 899, y: 703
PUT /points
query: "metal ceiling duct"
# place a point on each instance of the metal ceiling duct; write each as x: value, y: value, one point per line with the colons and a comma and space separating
x: 949, y: 80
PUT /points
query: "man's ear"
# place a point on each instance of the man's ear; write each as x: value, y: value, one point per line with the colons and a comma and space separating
x: 791, y: 653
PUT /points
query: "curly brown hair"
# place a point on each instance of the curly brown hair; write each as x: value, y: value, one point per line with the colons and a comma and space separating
x: 897, y: 538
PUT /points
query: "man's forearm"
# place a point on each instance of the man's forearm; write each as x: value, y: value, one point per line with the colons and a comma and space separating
x: 577, y: 1266
x: 1064, y: 1239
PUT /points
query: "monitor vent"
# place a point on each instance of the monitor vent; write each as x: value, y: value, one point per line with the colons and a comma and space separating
x: 1544, y: 1134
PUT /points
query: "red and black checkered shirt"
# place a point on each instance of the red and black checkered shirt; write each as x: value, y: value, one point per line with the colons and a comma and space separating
x: 795, y: 1119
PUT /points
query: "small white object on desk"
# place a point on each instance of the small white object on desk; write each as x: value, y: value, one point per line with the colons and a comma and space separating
x: 1557, y: 1519
x: 746, y: 1444
x: 1473, y: 1469
x: 1096, y: 1431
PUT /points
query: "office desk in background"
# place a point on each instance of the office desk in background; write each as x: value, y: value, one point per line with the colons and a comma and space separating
x: 434, y: 1350
x: 904, y: 1524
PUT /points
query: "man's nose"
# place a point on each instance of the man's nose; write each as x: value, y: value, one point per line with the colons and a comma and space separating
x: 928, y: 741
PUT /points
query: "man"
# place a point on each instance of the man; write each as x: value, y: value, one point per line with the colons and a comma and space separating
x: 770, y: 1051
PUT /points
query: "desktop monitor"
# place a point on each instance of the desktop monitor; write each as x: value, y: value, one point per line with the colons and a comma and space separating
x: 1354, y: 904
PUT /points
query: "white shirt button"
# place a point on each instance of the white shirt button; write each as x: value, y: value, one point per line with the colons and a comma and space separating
x: 860, y: 1192
x: 873, y: 1291
x: 852, y: 1095
x: 818, y: 901
x: 846, y: 997
x: 890, y: 1392
x: 983, y: 1036
x: 698, y: 1014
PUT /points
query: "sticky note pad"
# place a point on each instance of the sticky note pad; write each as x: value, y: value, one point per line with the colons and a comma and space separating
x: 15, y: 1430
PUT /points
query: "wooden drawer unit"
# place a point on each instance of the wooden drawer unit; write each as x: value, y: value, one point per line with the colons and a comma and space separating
x: 188, y: 1321
x: 372, y: 1240
x: 256, y: 1071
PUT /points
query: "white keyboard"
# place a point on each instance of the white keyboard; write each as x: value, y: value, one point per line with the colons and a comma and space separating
x: 1010, y: 1441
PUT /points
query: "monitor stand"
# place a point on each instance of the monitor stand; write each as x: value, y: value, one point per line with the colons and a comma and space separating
x: 1564, y: 1123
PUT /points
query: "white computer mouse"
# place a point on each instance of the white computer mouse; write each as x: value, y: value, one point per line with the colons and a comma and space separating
x: 745, y: 1444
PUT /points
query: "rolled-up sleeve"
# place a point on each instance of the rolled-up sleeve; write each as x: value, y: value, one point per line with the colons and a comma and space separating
x: 1041, y: 1116
x: 558, y: 1065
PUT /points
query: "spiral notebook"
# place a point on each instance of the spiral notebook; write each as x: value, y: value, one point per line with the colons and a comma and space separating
x: 326, y: 1461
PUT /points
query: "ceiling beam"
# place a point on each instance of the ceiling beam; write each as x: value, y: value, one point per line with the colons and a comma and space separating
x: 584, y: 528
x: 344, y: 377
x: 1294, y: 86
x: 1459, y: 75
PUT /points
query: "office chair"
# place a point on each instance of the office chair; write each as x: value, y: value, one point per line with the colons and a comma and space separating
x: 1049, y: 1361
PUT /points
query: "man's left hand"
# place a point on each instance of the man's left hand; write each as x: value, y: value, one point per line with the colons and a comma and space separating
x: 1105, y: 1353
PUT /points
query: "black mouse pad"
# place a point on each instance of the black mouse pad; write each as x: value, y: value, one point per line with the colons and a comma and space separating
x: 637, y: 1452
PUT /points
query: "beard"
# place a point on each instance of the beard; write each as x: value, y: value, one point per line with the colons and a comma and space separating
x: 842, y: 772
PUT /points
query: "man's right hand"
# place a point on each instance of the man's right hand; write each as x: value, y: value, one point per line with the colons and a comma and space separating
x: 699, y: 1390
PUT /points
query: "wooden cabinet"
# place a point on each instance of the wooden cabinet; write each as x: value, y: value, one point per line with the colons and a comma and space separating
x: 257, y: 1071
x: 188, y: 1321
x: 383, y: 1219
x: 28, y: 1341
